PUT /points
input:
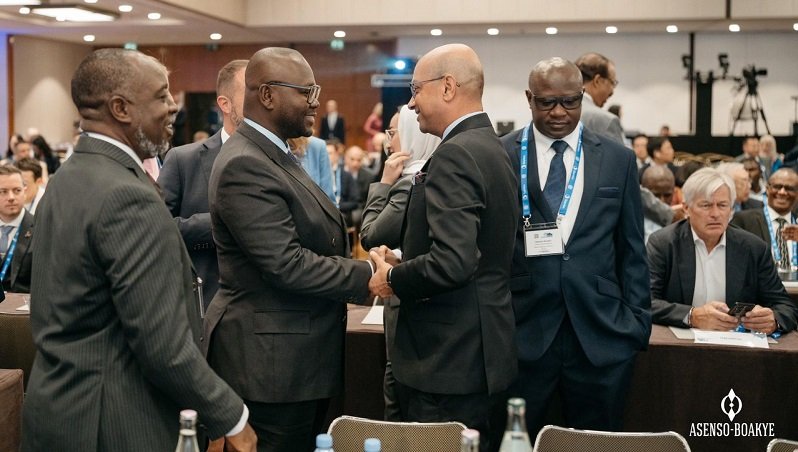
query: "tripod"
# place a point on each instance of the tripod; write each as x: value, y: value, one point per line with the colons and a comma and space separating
x: 751, y: 103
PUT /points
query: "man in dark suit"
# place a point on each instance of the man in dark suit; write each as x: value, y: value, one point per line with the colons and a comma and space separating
x: 112, y: 311
x: 16, y: 232
x: 332, y: 124
x: 276, y: 326
x: 742, y: 185
x: 453, y: 354
x: 185, y: 173
x: 580, y: 280
x: 700, y: 268
x: 782, y: 197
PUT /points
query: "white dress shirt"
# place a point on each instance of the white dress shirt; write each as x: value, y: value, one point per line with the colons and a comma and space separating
x: 545, y: 154
x: 710, y: 271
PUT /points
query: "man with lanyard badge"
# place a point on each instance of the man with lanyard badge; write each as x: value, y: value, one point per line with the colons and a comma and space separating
x: 579, y: 277
x: 16, y: 232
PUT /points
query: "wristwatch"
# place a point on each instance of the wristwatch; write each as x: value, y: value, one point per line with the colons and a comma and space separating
x: 388, y: 278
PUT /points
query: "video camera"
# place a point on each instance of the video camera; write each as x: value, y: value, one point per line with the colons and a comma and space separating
x: 750, y: 73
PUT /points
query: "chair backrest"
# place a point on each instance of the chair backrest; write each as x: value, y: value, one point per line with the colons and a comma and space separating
x: 10, y: 409
x: 782, y: 445
x: 558, y: 439
x: 350, y: 432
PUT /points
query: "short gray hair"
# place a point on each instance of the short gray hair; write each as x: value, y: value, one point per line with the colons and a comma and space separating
x: 706, y: 181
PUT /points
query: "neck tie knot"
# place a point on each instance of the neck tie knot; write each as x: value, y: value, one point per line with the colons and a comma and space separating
x: 559, y: 146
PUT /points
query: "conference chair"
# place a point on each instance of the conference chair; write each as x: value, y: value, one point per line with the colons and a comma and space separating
x: 558, y: 439
x: 782, y: 445
x: 350, y: 432
x: 10, y: 409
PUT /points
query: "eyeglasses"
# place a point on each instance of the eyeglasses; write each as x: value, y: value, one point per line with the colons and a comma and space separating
x: 312, y: 91
x: 391, y: 132
x: 707, y: 206
x: 567, y: 102
x: 613, y: 81
x: 787, y: 188
x: 414, y: 86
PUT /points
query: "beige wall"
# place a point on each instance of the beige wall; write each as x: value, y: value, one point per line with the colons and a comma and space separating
x: 42, y: 73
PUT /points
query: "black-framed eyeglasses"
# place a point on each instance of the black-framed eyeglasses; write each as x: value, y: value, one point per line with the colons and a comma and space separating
x: 567, y: 102
x: 311, y: 91
x: 414, y: 86
x: 779, y: 187
x: 390, y: 133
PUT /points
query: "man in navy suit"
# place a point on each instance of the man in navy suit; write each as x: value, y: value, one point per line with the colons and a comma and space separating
x: 579, y: 278
x: 185, y: 173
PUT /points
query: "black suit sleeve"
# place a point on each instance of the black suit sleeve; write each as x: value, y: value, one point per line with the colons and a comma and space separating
x: 660, y: 263
x: 196, y: 229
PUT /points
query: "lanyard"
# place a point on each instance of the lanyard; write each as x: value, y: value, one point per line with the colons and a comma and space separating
x: 10, y: 254
x: 569, y: 189
x: 773, y: 246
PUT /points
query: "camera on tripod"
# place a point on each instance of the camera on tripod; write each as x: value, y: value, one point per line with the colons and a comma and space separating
x: 750, y: 73
x: 749, y: 106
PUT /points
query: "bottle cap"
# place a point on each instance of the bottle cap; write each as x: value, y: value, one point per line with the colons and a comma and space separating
x: 324, y: 441
x: 188, y: 415
x: 372, y: 445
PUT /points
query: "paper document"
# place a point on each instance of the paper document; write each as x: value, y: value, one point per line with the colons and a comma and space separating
x: 374, y: 317
x: 732, y: 338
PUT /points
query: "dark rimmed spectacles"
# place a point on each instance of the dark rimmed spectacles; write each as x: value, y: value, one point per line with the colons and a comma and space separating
x: 779, y: 187
x: 567, y: 102
x: 311, y: 91
x: 415, y: 86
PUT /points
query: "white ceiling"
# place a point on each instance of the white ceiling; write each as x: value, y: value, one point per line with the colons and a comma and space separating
x: 180, y: 25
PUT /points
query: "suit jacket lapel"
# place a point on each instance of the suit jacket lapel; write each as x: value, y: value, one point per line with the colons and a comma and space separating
x: 591, y: 165
x: 685, y: 261
x: 208, y: 152
x: 23, y: 243
x: 735, y: 269
x: 292, y: 168
x: 763, y: 226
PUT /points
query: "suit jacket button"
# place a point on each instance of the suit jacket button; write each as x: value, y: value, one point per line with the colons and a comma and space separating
x: 566, y: 257
x: 333, y: 241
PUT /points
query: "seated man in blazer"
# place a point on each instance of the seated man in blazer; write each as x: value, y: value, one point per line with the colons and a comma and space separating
x: 15, y: 223
x: 700, y: 267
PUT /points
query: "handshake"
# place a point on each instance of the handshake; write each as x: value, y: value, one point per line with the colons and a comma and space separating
x: 383, y: 260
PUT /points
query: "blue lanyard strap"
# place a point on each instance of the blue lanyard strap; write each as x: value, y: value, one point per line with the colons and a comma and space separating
x: 773, y: 246
x: 9, y: 254
x: 526, y: 210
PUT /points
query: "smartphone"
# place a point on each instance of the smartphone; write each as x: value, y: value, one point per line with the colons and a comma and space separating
x: 739, y: 309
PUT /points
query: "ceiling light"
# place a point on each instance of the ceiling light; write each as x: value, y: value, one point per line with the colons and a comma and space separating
x: 551, y: 30
x: 436, y: 32
x: 125, y: 8
x: 74, y: 13
x: 734, y: 28
x: 672, y: 29
x: 154, y: 16
x: 20, y: 2
x: 216, y: 36
x: 400, y: 65
x: 340, y: 34
x: 90, y: 1
x: 89, y: 38
x: 611, y: 29
x: 493, y: 31
x: 795, y: 26
x: 24, y: 10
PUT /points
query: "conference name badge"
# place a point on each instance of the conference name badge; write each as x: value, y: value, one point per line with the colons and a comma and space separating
x: 542, y: 239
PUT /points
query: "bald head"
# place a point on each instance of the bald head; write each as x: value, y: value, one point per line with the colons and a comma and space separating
x: 448, y: 83
x: 554, y: 70
x: 279, y: 83
x: 555, y: 84
x: 660, y: 181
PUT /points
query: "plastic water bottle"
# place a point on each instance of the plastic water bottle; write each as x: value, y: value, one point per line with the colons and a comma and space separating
x: 469, y: 440
x: 188, y: 432
x: 324, y: 443
x: 372, y: 445
x: 516, y: 438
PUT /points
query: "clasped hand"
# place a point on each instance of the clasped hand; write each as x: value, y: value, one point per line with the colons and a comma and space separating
x: 383, y: 259
x: 715, y: 316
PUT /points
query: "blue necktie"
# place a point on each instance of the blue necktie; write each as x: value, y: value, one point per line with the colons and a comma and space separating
x: 4, y: 238
x: 555, y: 182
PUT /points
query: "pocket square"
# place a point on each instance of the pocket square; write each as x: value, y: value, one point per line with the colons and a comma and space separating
x: 419, y: 177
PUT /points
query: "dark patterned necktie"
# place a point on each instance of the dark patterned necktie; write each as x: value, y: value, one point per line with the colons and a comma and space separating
x: 555, y: 182
x: 784, y: 259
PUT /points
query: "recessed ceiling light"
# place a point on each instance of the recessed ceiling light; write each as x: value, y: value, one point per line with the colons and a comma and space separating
x: 75, y: 13
x: 125, y: 8
x: 493, y: 31
x: 154, y: 16
x: 90, y: 1
x: 89, y: 38
x: 672, y: 29
x: 734, y: 28
x: 436, y: 32
x: 551, y: 30
x: 216, y: 36
x: 340, y: 34
x: 19, y: 2
x: 24, y: 10
x: 795, y: 26
x: 611, y: 29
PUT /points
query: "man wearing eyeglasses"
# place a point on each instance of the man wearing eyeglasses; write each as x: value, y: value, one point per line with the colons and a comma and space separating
x: 579, y: 275
x: 275, y: 329
x: 781, y: 196
x: 701, y: 268
x: 599, y: 81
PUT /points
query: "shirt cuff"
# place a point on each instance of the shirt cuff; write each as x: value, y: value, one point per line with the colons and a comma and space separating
x: 241, y: 423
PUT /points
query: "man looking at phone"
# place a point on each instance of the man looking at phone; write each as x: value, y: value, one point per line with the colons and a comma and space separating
x: 700, y: 268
